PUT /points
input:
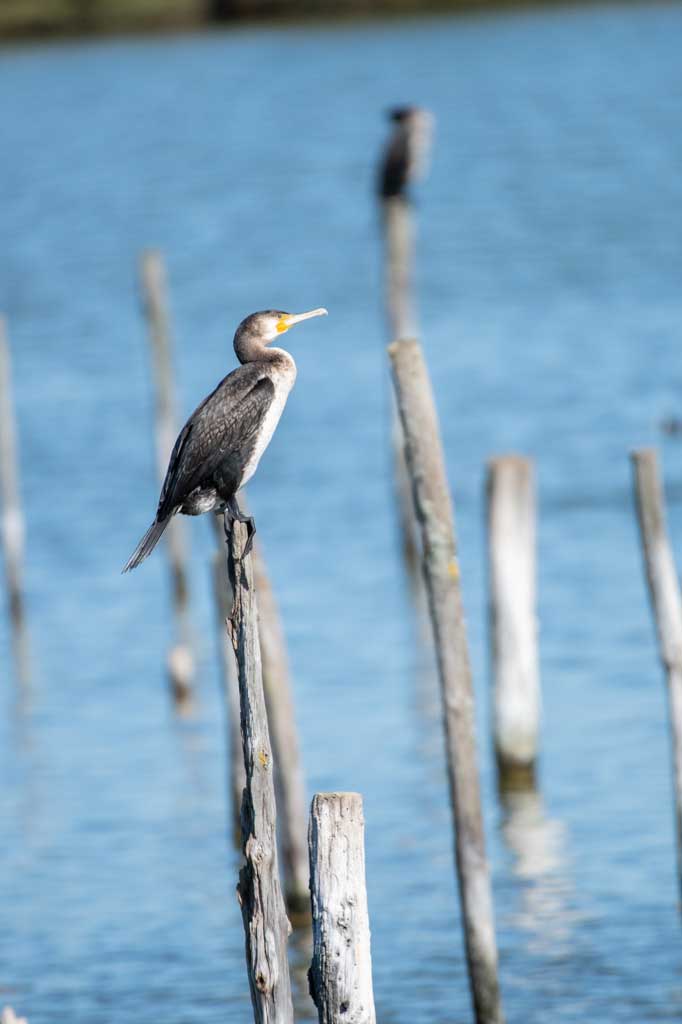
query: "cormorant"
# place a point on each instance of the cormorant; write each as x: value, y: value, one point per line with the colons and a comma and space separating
x: 406, y: 154
x: 220, y: 445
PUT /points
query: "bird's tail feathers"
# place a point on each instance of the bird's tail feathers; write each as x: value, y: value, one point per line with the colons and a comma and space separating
x: 147, y: 544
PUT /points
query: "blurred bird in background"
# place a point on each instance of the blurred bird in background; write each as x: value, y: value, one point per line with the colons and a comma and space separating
x: 407, y: 153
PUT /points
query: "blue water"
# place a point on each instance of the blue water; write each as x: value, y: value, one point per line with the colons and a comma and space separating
x: 549, y: 291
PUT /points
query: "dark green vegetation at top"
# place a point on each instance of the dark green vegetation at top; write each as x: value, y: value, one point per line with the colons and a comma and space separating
x: 33, y: 18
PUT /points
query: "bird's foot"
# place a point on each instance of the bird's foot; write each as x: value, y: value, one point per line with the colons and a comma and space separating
x: 251, y: 528
x: 233, y: 514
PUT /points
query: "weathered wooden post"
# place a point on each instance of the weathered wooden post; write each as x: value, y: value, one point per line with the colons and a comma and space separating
x: 289, y: 780
x: 399, y: 244
x: 341, y: 972
x: 266, y: 926
x: 510, y: 495
x: 404, y: 159
x: 396, y: 214
x: 664, y: 591
x: 12, y: 517
x: 426, y: 465
x: 153, y: 280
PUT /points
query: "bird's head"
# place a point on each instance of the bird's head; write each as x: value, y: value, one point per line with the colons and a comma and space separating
x: 401, y: 113
x: 260, y: 329
x: 269, y: 324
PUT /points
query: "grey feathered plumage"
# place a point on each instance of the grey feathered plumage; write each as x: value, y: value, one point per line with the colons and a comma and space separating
x: 207, y: 463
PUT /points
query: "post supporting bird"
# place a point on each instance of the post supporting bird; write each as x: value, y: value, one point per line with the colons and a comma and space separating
x: 221, y: 444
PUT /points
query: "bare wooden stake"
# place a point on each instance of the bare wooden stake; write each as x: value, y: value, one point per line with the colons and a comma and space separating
x: 441, y: 572
x: 180, y: 661
x: 399, y: 241
x: 266, y: 927
x: 664, y: 591
x: 513, y: 620
x: 12, y: 516
x: 289, y: 781
x: 341, y: 971
x: 397, y: 220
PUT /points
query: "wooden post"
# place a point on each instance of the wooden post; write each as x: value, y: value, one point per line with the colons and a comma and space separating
x: 266, y: 927
x: 399, y: 242
x: 341, y: 972
x: 153, y: 280
x: 513, y: 621
x: 426, y: 465
x: 289, y: 781
x: 396, y: 213
x: 12, y: 517
x: 236, y: 776
x: 664, y: 591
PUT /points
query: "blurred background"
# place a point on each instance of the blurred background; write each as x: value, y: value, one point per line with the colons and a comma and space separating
x: 548, y: 285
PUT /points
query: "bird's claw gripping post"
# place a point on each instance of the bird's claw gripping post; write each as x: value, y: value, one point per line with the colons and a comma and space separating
x: 234, y: 513
x: 251, y: 527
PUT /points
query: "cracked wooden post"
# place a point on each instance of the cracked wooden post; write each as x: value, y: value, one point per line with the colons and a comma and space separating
x: 289, y: 781
x: 510, y: 494
x: 666, y: 601
x: 341, y: 972
x: 153, y: 280
x: 426, y: 465
x: 12, y: 522
x: 266, y: 926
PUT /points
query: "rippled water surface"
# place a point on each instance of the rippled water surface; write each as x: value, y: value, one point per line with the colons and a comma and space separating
x: 549, y: 289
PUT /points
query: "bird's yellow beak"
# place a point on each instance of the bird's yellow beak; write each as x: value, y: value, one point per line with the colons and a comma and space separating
x: 289, y: 319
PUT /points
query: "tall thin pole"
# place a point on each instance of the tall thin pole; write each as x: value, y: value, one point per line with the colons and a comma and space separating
x: 399, y: 236
x: 404, y: 159
x: 266, y: 927
x: 12, y: 517
x: 400, y: 312
x: 510, y: 493
x: 289, y: 779
x: 155, y: 300
x: 426, y: 466
x: 666, y: 602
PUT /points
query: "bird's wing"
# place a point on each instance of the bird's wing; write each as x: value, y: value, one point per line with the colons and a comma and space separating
x: 221, y: 432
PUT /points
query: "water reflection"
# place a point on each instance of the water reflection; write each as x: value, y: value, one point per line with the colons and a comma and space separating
x: 539, y: 846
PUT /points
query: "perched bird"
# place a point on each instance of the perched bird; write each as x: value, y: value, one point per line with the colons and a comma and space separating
x: 220, y: 446
x: 405, y: 158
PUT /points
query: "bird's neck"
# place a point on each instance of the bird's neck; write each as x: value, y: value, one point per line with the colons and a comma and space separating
x: 256, y: 352
x: 281, y: 356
